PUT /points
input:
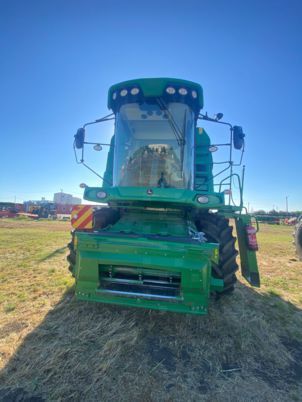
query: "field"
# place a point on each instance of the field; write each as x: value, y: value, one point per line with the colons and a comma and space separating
x: 249, y: 347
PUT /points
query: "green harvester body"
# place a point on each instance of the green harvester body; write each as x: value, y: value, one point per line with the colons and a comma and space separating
x: 159, y: 182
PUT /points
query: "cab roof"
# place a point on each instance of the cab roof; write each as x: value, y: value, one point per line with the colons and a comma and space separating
x: 137, y: 90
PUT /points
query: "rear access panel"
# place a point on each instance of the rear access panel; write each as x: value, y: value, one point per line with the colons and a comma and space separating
x: 136, y: 271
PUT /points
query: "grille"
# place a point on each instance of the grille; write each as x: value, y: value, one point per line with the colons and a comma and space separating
x: 139, y: 282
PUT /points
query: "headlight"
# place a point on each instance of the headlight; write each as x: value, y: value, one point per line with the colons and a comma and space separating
x: 101, y: 194
x: 202, y: 199
x: 97, y: 147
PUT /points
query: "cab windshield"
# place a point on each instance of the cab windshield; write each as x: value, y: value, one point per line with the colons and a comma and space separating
x: 154, y: 145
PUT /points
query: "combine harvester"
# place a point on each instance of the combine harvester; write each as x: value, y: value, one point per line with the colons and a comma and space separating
x: 164, y: 240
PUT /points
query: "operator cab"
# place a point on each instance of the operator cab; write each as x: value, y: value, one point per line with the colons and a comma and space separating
x: 154, y: 133
x: 158, y: 151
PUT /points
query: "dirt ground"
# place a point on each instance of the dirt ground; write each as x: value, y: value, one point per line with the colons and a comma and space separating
x: 249, y: 347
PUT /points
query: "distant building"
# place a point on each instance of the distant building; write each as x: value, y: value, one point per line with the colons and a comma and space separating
x: 63, y: 198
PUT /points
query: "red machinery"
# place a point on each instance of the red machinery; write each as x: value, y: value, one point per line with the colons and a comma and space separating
x: 10, y: 209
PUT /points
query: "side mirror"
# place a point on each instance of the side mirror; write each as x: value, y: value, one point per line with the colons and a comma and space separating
x: 79, y: 138
x: 238, y: 137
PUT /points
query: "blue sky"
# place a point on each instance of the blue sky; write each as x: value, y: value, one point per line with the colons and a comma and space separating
x: 58, y: 59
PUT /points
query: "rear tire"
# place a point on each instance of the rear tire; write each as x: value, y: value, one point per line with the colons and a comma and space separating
x: 217, y: 230
x: 104, y: 217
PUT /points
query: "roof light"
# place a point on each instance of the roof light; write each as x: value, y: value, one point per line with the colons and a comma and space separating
x: 83, y: 185
x: 202, y: 199
x: 101, y: 194
x: 123, y: 92
x: 98, y: 147
x: 194, y: 94
x: 171, y: 90
x: 182, y: 91
x: 114, y: 95
x: 134, y: 91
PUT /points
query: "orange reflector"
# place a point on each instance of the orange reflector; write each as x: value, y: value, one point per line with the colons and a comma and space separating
x: 81, y: 217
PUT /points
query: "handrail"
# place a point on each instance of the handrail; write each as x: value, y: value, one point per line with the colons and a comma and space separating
x: 239, y: 185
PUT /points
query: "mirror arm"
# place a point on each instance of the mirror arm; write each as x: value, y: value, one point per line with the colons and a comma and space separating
x: 241, y: 156
x: 96, y: 143
x: 105, y: 118
x: 76, y: 156
x: 81, y: 162
x: 207, y: 118
x: 93, y: 171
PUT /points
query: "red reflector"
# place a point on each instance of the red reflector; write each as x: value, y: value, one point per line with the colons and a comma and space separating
x: 251, y: 237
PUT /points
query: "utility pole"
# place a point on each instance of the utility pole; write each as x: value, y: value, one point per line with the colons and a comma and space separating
x: 286, y: 203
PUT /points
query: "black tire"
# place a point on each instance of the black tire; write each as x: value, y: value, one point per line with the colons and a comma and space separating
x: 217, y: 230
x: 104, y: 217
x: 71, y: 258
x: 298, y: 238
x: 101, y: 219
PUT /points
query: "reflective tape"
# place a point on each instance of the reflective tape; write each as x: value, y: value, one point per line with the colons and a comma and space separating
x: 82, y: 217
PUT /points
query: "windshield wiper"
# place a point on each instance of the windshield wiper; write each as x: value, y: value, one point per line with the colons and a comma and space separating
x: 179, y: 134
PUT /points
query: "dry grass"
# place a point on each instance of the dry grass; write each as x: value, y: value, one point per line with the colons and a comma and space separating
x: 249, y: 348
